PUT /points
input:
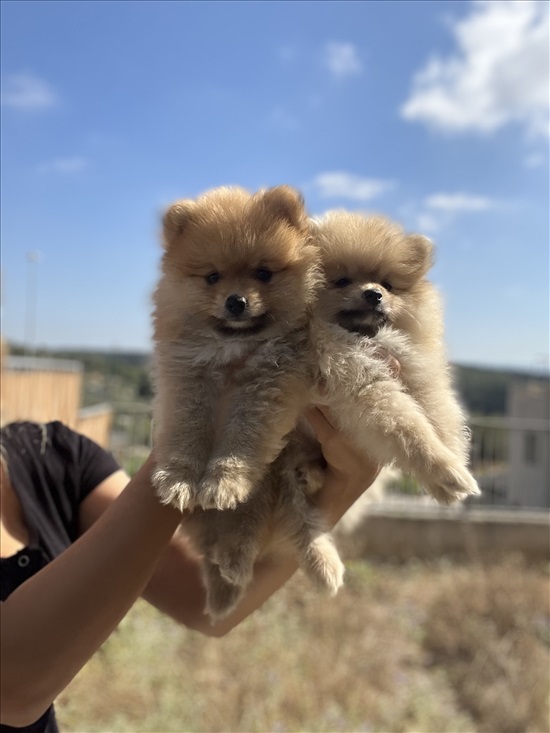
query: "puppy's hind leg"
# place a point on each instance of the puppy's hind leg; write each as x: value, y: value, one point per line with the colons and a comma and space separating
x: 317, y: 553
x: 321, y: 562
x: 235, y: 557
x: 222, y: 596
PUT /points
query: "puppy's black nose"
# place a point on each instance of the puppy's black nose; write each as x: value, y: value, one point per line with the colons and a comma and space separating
x: 236, y: 304
x: 372, y: 296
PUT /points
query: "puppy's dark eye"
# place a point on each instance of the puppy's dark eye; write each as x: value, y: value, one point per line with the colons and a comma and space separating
x: 212, y: 278
x: 343, y: 282
x: 264, y: 275
x: 388, y: 286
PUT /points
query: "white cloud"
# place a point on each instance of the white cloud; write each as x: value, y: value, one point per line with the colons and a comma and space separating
x: 66, y: 166
x: 438, y: 211
x: 342, y: 185
x: 497, y: 76
x: 458, y: 202
x: 342, y: 60
x: 27, y: 92
x: 427, y: 223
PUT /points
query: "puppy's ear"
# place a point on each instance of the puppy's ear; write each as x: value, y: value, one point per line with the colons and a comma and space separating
x: 176, y: 219
x: 283, y: 203
x: 420, y: 254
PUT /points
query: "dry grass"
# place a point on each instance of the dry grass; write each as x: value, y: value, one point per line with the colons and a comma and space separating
x: 489, y: 634
x: 447, y: 648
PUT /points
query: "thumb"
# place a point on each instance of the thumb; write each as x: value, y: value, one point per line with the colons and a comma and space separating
x: 320, y: 423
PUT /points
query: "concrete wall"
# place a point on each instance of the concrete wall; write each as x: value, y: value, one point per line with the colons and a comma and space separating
x: 430, y: 533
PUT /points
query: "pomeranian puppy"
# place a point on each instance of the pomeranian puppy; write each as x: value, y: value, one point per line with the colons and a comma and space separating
x: 279, y: 518
x: 239, y: 277
x: 377, y: 298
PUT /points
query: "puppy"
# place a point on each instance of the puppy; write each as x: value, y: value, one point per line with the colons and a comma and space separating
x: 239, y: 277
x: 377, y: 298
x: 279, y: 518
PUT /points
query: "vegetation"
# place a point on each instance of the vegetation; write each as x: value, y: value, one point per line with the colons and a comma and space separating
x: 485, y: 391
x: 446, y: 648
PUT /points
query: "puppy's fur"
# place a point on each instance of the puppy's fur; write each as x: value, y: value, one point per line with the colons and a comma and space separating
x: 377, y: 298
x: 239, y: 276
x: 278, y: 518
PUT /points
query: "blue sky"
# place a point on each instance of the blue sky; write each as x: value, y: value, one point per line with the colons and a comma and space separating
x: 435, y: 113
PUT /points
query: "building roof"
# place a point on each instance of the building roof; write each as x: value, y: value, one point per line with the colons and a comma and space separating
x: 40, y: 364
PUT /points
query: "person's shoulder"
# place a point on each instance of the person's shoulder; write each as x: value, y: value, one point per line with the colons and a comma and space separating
x: 31, y: 426
x: 40, y: 434
x: 22, y: 429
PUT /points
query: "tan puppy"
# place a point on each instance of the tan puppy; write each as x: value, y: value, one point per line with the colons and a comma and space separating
x: 239, y: 276
x: 377, y: 297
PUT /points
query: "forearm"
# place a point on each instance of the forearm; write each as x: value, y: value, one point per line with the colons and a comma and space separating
x: 54, y: 622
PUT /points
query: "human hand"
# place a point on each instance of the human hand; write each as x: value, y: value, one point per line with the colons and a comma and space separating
x: 348, y: 473
x: 342, y: 457
x: 351, y: 470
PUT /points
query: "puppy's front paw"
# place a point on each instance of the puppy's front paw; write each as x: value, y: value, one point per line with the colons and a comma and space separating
x: 452, y: 483
x: 176, y: 484
x: 224, y: 485
x: 323, y: 565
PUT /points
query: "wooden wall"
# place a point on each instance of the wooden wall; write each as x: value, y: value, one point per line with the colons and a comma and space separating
x: 45, y: 395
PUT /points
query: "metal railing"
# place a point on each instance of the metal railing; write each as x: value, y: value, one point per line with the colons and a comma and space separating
x: 510, y: 457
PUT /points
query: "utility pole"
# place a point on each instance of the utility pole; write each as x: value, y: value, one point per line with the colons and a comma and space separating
x: 33, y: 258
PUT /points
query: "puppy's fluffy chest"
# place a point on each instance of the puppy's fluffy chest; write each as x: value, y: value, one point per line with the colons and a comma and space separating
x: 223, y: 359
x: 220, y: 354
x: 346, y: 360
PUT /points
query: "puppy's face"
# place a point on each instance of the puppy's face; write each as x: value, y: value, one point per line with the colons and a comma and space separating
x: 236, y: 265
x: 374, y: 271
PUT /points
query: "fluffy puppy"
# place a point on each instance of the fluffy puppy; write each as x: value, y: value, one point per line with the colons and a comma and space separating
x: 377, y: 297
x: 239, y: 276
x: 279, y: 518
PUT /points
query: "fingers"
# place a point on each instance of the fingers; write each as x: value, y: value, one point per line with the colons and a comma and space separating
x: 321, y: 425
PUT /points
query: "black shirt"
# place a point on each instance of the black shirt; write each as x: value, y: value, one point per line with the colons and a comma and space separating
x: 51, y: 469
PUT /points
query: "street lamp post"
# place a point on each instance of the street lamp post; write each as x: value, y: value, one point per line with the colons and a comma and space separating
x: 32, y: 257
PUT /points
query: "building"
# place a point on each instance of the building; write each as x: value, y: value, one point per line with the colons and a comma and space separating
x: 529, y: 444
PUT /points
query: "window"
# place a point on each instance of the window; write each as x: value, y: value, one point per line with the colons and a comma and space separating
x: 530, y: 447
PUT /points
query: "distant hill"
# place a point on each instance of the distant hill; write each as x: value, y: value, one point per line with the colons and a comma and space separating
x: 482, y: 390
